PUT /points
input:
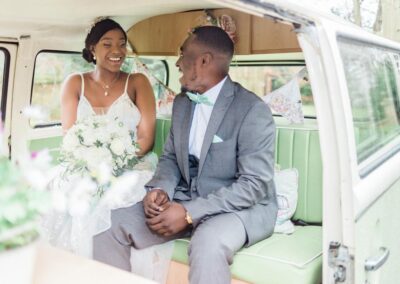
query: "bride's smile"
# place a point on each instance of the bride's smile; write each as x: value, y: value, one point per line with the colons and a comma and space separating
x: 110, y: 51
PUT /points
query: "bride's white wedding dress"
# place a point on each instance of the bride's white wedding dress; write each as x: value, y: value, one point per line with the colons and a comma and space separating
x: 75, y: 233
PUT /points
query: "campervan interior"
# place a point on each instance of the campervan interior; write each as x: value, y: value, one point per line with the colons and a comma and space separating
x: 267, y: 57
x: 274, y: 51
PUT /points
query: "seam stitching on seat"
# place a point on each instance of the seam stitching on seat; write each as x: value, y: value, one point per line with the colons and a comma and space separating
x: 301, y: 266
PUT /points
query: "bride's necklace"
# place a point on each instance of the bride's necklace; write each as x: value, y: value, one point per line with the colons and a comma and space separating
x: 107, y: 87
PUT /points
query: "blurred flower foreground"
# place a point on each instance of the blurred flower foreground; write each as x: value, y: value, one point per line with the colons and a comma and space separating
x: 23, y: 196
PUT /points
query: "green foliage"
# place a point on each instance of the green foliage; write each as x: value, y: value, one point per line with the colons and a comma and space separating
x: 20, y: 206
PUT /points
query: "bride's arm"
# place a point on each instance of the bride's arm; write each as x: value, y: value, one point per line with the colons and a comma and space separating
x: 69, y: 101
x: 145, y: 102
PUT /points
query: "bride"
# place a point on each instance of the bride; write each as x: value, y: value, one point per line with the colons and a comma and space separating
x: 107, y: 91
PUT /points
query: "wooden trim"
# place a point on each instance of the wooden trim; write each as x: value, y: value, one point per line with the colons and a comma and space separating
x: 272, y: 37
x: 178, y: 274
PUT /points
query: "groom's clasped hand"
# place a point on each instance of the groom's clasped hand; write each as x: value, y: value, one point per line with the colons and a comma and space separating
x: 162, y: 216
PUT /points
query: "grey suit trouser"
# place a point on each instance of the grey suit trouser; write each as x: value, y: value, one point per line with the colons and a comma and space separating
x: 211, y: 250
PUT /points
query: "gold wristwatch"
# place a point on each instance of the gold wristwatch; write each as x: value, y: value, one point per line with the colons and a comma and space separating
x: 188, y: 218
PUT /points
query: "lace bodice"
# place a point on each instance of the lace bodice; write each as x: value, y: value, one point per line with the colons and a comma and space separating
x: 122, y: 107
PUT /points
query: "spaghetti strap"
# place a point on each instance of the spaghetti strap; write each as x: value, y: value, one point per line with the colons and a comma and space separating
x: 126, y: 83
x: 82, y: 84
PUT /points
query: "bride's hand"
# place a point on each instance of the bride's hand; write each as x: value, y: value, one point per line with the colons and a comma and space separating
x: 155, y: 202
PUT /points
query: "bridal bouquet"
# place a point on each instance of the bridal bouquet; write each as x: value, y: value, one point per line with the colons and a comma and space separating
x: 97, y: 146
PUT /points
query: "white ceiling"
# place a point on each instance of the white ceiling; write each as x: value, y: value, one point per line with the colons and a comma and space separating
x: 20, y: 17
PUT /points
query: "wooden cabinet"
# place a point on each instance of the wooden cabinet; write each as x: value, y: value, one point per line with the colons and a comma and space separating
x: 268, y: 36
x: 163, y: 35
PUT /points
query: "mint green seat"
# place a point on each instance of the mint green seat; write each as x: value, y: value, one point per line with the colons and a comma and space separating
x: 282, y: 259
x: 162, y: 129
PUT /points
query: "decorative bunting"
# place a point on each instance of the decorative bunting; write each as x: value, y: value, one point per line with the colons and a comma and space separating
x: 286, y: 100
x: 165, y: 97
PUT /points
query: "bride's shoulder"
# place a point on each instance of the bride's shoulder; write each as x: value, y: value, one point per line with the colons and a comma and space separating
x: 138, y: 78
x: 74, y: 79
x: 138, y: 81
x: 72, y: 84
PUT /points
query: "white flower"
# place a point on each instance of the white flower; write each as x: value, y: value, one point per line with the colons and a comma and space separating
x: 42, y: 159
x: 95, y: 156
x: 89, y: 136
x: 70, y: 141
x: 103, y: 136
x: 120, y: 189
x: 36, y: 178
x: 35, y: 112
x: 103, y: 173
x: 117, y: 147
x: 78, y: 153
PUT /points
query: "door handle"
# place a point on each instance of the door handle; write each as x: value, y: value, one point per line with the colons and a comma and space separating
x: 374, y: 262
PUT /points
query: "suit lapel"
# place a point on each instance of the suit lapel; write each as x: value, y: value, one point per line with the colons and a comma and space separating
x: 184, y: 141
x: 222, y: 104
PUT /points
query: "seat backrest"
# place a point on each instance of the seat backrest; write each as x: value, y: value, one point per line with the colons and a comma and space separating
x: 162, y: 129
x: 296, y: 147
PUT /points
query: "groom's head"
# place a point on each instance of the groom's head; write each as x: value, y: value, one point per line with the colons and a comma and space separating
x: 204, y: 58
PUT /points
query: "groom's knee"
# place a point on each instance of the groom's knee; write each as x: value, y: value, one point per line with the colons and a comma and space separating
x: 120, y: 229
x: 205, y: 246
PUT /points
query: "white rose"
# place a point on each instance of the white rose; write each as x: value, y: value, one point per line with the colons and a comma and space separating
x: 96, y: 156
x: 79, y: 153
x: 70, y: 141
x: 89, y: 136
x: 131, y: 150
x: 103, y: 173
x: 103, y: 136
x: 117, y: 147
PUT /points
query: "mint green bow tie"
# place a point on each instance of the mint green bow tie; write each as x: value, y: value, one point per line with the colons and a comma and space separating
x: 199, y: 99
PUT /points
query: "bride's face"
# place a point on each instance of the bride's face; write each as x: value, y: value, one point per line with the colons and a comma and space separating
x: 110, y: 51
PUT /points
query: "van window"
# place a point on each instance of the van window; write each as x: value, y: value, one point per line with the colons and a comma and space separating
x: 51, y: 68
x: 264, y: 77
x: 372, y: 81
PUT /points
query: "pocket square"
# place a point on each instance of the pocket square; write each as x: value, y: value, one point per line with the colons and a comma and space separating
x: 217, y: 139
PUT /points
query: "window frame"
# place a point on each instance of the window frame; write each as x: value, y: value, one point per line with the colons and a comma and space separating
x: 390, y: 149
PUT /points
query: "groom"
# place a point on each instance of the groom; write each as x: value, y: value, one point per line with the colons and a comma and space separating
x: 214, y: 181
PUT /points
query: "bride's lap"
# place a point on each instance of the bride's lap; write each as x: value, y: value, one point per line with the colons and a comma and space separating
x: 75, y: 232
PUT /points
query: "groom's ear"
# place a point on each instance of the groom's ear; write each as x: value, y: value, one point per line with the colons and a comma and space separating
x: 206, y: 59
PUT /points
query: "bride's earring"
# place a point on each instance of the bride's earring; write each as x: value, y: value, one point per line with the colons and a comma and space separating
x: 94, y: 57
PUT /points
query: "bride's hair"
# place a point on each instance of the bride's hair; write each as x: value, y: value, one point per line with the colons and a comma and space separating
x: 96, y: 31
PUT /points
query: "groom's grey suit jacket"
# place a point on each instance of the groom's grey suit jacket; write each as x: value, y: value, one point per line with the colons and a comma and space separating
x: 235, y: 175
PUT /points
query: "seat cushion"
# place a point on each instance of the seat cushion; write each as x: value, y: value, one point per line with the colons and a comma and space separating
x: 280, y: 259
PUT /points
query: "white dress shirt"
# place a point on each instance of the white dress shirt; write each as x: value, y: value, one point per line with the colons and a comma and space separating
x: 201, y: 117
